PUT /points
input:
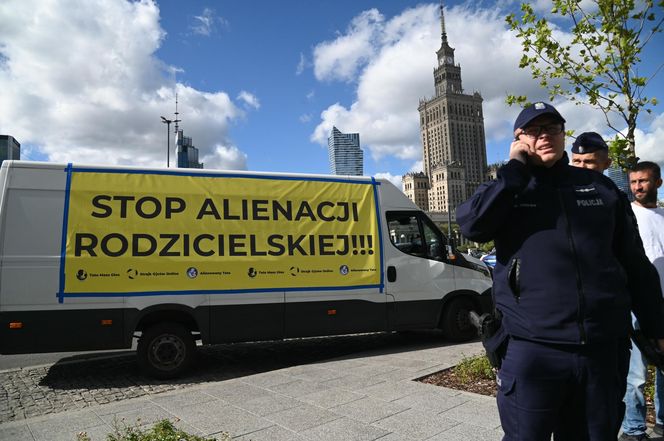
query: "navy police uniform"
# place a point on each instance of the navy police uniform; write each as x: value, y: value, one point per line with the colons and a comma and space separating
x: 570, y: 266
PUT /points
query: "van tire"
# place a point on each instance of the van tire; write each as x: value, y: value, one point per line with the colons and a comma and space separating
x: 455, y: 322
x: 165, y: 350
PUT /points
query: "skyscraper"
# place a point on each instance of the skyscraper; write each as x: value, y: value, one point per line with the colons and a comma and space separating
x: 452, y: 134
x: 186, y: 153
x: 621, y: 178
x: 9, y: 148
x: 346, y: 156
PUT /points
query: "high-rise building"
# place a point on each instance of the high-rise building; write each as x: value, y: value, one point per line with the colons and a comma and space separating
x: 9, y: 148
x: 452, y: 134
x: 346, y: 156
x: 621, y: 178
x: 186, y: 153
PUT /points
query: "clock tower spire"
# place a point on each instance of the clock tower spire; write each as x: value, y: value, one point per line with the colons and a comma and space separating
x: 446, y: 52
x: 443, y: 34
x: 447, y: 76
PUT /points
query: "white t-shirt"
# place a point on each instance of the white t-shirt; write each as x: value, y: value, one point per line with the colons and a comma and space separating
x: 651, y: 229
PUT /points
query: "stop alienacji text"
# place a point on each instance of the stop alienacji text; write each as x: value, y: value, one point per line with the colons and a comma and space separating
x: 141, y: 244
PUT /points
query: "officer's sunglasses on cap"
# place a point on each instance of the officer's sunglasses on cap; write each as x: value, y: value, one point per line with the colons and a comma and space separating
x: 549, y: 129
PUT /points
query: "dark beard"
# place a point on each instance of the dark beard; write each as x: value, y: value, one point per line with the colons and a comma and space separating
x: 649, y: 198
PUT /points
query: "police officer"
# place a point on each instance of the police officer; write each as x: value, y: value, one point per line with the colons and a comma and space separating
x: 568, y: 257
x: 590, y: 151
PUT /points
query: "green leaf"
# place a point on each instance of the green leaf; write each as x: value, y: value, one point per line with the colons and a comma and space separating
x: 602, y: 56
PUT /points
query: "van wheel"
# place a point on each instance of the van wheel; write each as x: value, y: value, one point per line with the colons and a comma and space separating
x: 455, y: 322
x: 165, y: 350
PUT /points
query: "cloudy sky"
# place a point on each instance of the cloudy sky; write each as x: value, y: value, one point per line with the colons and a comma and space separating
x: 260, y: 83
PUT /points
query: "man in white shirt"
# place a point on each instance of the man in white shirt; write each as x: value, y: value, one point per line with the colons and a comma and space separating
x: 644, y: 180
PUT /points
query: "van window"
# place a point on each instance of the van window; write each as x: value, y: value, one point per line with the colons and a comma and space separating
x: 414, y: 234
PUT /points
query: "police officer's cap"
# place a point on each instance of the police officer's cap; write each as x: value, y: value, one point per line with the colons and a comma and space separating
x: 533, y: 111
x: 589, y: 142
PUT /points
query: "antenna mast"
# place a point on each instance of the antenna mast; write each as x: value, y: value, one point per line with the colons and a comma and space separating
x: 176, y: 120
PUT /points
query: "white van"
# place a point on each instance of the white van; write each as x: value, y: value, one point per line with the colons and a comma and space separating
x: 93, y: 256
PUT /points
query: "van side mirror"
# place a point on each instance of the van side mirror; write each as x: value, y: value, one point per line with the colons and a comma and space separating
x: 451, y: 255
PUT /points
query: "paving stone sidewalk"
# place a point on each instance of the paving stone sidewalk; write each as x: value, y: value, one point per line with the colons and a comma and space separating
x: 359, y: 395
x: 74, y: 384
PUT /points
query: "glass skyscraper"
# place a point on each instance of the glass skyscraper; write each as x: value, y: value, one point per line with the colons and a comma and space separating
x: 9, y: 148
x: 621, y: 179
x: 346, y: 156
x: 186, y: 153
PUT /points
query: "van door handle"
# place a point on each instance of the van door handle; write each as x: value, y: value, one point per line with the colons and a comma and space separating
x: 391, y: 274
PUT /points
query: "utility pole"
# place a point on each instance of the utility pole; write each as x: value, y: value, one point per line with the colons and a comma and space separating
x: 168, y: 140
x: 168, y: 130
x: 449, y: 202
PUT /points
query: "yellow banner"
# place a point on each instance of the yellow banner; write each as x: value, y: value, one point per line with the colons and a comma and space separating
x: 159, y: 233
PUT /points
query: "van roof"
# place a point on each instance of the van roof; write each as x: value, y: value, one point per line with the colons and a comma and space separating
x: 187, y: 171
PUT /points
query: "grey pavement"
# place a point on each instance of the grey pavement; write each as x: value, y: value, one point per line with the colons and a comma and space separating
x: 360, y: 395
x: 365, y: 395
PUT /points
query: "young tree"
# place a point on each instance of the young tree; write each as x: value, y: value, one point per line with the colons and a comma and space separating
x: 600, y: 64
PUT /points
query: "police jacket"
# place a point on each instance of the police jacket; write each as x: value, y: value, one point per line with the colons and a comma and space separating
x: 569, y: 261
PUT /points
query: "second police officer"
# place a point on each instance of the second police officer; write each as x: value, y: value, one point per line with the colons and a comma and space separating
x: 590, y: 151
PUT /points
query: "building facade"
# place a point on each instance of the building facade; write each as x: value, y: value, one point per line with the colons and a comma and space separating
x: 344, y: 152
x: 9, y: 148
x: 186, y: 153
x: 416, y: 187
x: 448, y: 187
x: 492, y: 171
x: 452, y: 134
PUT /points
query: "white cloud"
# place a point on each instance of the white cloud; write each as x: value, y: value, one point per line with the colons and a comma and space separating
x: 301, y: 64
x: 81, y: 82
x: 226, y: 158
x: 249, y: 99
x: 397, y: 71
x: 543, y: 7
x: 305, y: 118
x: 649, y: 144
x: 395, y: 179
x: 206, y: 23
x: 417, y: 166
x: 340, y: 59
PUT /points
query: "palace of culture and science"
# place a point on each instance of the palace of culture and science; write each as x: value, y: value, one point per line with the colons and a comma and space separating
x: 452, y: 135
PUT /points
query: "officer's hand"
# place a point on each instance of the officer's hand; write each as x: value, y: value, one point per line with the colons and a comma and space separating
x: 660, y: 345
x: 523, y: 149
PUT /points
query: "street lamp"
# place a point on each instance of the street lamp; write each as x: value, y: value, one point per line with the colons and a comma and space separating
x: 168, y: 140
x: 449, y: 207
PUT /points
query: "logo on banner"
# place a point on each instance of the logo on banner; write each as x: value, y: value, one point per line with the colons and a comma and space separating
x: 81, y: 275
